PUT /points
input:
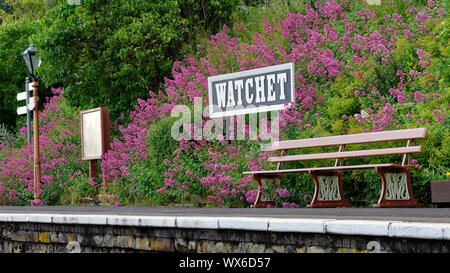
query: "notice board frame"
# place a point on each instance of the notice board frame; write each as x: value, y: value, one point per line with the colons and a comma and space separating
x: 104, y: 132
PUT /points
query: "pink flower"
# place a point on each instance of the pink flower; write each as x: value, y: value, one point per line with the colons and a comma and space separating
x: 283, y: 193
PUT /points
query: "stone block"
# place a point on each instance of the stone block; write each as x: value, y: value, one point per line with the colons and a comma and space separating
x: 243, y: 223
x: 220, y: 248
x: 257, y: 248
x: 315, y: 249
x: 279, y: 248
x: 181, y: 245
x: 161, y: 244
x: 124, y: 241
x: 298, y: 225
x: 44, y: 237
x: 192, y: 245
x: 197, y: 222
x: 57, y: 237
x: 142, y: 244
x: 418, y: 230
x: 358, y: 227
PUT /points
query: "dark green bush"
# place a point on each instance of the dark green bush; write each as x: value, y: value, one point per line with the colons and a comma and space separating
x: 13, y: 41
x: 109, y: 53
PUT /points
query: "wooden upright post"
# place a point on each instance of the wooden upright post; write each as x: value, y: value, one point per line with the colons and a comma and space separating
x: 37, y: 162
x: 92, y: 168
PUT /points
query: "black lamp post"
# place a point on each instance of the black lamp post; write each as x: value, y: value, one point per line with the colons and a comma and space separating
x: 33, y: 62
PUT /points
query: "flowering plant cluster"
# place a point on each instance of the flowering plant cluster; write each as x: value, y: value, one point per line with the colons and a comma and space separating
x: 341, y: 50
x: 63, y: 173
x: 358, y: 68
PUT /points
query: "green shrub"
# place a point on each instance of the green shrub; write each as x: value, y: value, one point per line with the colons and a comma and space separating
x: 110, y: 53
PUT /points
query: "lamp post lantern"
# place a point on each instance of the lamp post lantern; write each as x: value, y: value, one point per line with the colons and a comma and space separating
x: 32, y: 61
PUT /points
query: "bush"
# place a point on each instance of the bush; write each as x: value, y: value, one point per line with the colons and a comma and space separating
x: 110, y: 53
x: 13, y: 41
x: 356, y: 71
x: 64, y: 178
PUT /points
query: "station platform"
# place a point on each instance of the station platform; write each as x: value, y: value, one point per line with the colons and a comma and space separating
x: 419, y: 223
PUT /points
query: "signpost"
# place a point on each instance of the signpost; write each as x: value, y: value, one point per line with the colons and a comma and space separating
x: 33, y: 62
x: 252, y: 91
x: 95, y: 137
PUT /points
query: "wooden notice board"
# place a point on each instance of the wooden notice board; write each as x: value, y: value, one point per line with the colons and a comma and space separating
x: 95, y: 138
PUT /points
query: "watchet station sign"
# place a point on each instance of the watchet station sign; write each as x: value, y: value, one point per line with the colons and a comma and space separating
x: 252, y: 91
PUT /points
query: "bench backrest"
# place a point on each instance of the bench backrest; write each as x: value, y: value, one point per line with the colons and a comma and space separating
x: 342, y: 141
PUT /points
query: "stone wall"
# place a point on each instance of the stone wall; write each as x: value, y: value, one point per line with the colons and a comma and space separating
x: 43, y: 237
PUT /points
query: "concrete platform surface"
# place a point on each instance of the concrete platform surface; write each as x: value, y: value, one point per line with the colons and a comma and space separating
x: 430, y: 215
x: 418, y: 223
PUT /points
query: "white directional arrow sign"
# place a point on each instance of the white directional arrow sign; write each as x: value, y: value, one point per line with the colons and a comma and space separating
x: 23, y: 96
x: 30, y: 105
x: 21, y: 110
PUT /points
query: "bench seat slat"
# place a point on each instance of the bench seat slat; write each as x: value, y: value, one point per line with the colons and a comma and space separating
x: 339, y: 168
x: 350, y: 139
x: 361, y: 153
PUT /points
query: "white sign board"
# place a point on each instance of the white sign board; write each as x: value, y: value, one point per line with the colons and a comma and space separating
x: 94, y: 133
x: 23, y: 96
x: 252, y: 91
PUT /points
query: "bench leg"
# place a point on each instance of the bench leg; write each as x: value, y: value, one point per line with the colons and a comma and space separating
x: 328, y: 191
x: 260, y: 199
x: 396, y: 188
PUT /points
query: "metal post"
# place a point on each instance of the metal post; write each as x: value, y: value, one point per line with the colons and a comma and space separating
x: 37, y: 163
x: 27, y: 84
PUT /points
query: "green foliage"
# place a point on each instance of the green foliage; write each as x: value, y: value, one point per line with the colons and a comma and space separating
x: 162, y: 145
x: 110, y: 53
x: 252, y: 12
x: 11, y: 10
x: 14, y: 37
x: 147, y: 176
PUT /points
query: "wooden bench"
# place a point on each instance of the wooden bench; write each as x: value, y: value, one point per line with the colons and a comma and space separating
x: 395, y: 178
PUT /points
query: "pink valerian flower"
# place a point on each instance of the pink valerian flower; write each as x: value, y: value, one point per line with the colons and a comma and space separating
x: 411, y: 10
x: 400, y: 73
x: 57, y: 150
x: 290, y: 205
x: 312, y: 42
x: 424, y: 58
x: 438, y: 116
x: 397, y: 17
x: 422, y: 17
x: 441, y: 13
x: 419, y: 97
x: 283, y: 193
x: 399, y: 95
